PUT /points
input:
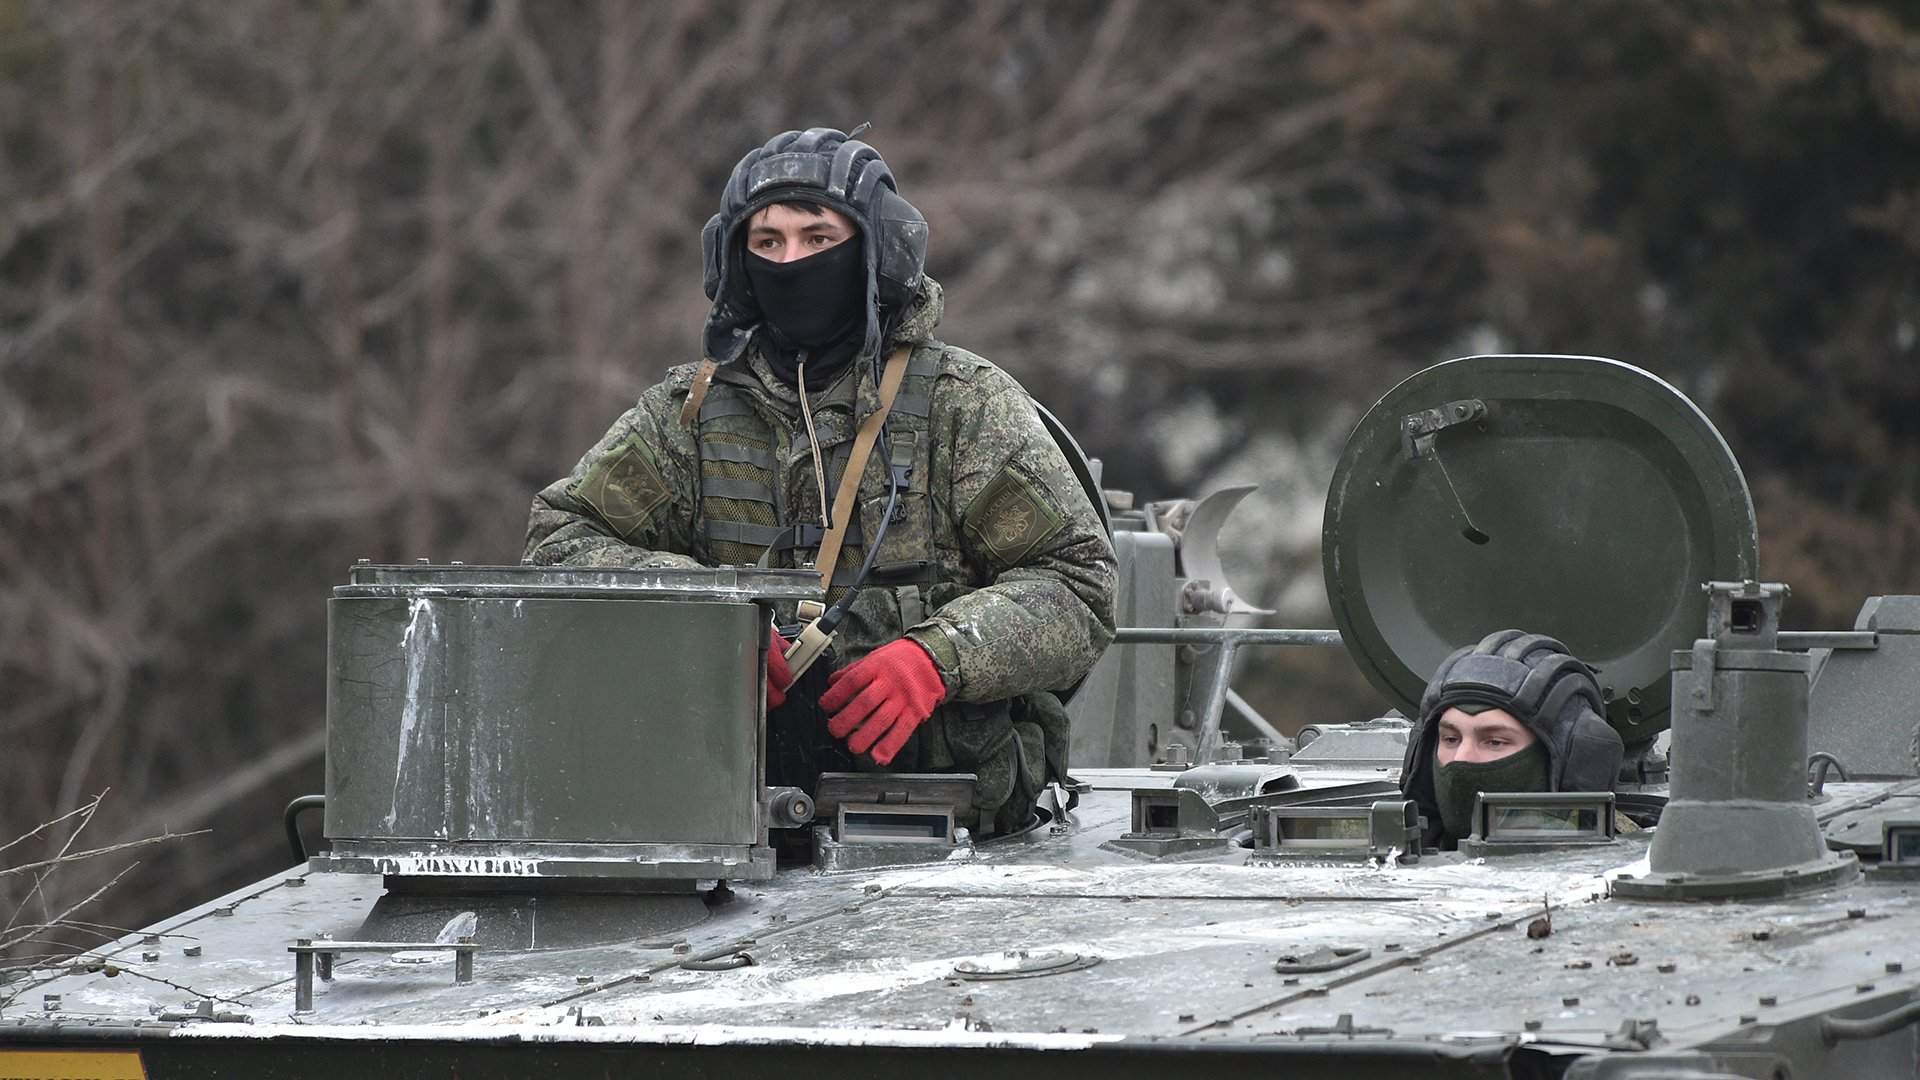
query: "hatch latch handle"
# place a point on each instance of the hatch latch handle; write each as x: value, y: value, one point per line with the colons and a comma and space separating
x: 1417, y: 432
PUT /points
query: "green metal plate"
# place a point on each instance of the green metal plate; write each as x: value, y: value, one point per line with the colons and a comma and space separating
x: 1582, y: 498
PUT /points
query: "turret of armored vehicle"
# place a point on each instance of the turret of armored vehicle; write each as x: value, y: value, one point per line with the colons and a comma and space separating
x: 549, y: 848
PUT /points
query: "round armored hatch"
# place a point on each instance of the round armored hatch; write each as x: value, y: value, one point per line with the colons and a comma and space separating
x: 1022, y: 964
x: 1863, y: 831
x: 1322, y: 958
x: 1564, y: 495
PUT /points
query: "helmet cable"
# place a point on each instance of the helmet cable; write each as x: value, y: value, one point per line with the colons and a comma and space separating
x: 813, y: 443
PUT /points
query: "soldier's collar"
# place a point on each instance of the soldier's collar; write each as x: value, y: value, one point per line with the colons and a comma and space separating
x: 752, y: 372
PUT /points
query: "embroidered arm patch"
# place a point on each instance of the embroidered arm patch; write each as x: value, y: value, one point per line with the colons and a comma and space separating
x: 1010, y: 519
x: 624, y: 487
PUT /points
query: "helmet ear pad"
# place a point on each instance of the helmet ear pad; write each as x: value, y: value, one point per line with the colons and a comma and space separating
x: 712, y: 254
x: 1592, y: 757
x: 900, y: 241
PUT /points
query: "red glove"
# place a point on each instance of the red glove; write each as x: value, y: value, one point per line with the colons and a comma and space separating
x: 880, y: 699
x: 779, y: 675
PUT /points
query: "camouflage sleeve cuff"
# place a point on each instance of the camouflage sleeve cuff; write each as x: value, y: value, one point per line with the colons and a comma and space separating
x: 668, y: 560
x: 946, y: 657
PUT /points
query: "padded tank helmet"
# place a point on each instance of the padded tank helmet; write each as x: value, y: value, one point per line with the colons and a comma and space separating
x: 1534, y: 678
x: 828, y: 167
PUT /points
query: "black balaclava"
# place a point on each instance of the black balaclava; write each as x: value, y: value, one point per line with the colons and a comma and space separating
x: 815, y: 306
x: 1458, y: 784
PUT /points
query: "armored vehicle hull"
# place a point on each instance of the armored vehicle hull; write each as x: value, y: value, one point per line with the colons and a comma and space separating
x: 1194, y: 904
x: 1051, y: 956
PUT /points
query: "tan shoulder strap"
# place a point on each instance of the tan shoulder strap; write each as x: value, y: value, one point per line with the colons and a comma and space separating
x: 697, y: 393
x: 849, y: 492
x: 812, y: 641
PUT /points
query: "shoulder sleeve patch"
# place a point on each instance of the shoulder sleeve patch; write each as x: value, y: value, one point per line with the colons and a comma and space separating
x: 1010, y: 518
x: 624, y: 486
x: 959, y: 362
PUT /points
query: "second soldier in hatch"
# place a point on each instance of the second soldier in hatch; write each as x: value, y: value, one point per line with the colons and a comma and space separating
x: 985, y: 580
x: 1514, y: 712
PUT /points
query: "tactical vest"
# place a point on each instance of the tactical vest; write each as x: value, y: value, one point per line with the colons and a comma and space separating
x: 744, y: 512
x: 746, y: 520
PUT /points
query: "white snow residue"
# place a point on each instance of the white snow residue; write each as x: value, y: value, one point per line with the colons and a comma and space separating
x: 686, y: 997
x: 416, y: 678
x: 764, y: 987
x: 463, y: 925
x: 415, y: 608
x: 1640, y: 867
x: 657, y: 1034
x: 460, y: 926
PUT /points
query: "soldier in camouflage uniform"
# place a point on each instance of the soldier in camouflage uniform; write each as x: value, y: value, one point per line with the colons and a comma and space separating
x: 993, y: 582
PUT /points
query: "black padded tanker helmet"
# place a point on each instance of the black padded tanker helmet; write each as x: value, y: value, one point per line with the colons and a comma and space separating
x: 828, y: 167
x: 1533, y: 677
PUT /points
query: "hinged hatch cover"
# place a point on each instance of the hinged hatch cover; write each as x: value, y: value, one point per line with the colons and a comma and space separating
x: 1565, y: 495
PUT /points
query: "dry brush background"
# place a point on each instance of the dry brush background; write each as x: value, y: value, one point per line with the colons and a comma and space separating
x: 287, y: 283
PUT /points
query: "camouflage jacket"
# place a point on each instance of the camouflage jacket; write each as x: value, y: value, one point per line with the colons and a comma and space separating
x: 996, y: 562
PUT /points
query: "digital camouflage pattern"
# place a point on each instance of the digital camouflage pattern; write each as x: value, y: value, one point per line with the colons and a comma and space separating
x: 995, y: 562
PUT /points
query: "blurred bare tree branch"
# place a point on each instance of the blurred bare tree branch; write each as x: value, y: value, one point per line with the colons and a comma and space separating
x: 31, y: 922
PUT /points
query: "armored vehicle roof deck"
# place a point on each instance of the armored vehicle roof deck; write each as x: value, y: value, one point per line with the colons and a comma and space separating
x: 1050, y: 946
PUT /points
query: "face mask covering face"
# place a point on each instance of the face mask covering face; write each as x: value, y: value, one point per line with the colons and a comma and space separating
x: 1457, y: 784
x: 815, y: 302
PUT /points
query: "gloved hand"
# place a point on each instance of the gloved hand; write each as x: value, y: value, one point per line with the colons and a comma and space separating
x: 779, y: 675
x: 880, y: 699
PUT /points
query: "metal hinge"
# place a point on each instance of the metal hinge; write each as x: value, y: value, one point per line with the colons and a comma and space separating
x: 1418, y: 429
